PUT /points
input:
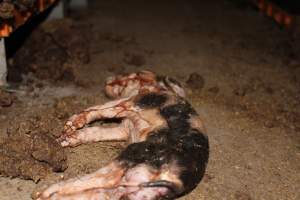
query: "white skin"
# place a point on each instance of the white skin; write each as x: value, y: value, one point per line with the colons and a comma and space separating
x: 115, y: 181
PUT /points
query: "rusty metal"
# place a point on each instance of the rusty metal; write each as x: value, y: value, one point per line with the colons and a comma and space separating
x: 281, y: 16
x: 14, y: 13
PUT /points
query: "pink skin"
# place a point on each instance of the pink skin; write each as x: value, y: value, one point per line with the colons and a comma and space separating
x: 132, y: 127
x: 135, y: 83
x: 135, y: 128
x: 130, y: 85
x: 110, y: 182
x: 115, y: 181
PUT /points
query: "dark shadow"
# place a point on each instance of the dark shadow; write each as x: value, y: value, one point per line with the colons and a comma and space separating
x: 291, y: 6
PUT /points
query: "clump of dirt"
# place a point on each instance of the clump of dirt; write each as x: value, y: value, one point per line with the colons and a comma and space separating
x: 195, y: 81
x: 66, y: 106
x: 30, y: 153
x: 240, y: 91
x: 214, y: 90
x: 134, y: 59
x: 118, y: 39
x: 6, y: 98
x: 52, y: 52
x: 239, y: 195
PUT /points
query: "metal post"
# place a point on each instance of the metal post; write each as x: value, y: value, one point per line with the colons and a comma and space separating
x: 58, y: 11
x: 3, y: 64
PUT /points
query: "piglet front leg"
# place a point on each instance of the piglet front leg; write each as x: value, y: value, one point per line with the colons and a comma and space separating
x: 96, y: 134
x: 109, y: 110
x: 75, y: 131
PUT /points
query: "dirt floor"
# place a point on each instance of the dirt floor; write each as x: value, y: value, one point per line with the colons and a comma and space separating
x: 241, y: 72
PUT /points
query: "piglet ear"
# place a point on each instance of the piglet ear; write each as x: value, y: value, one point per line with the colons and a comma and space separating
x: 175, y: 86
x: 174, y: 190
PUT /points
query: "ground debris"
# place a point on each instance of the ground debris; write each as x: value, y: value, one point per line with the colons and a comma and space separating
x: 6, y: 98
x: 214, y: 90
x: 240, y: 91
x: 52, y: 52
x: 239, y: 195
x: 29, y: 153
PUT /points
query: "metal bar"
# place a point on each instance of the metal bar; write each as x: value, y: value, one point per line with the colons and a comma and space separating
x: 58, y: 11
x: 3, y: 63
x: 77, y: 4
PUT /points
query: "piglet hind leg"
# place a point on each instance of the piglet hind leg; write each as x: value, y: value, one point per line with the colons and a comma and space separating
x: 116, y: 181
x: 109, y: 110
x: 143, y: 171
x: 92, y: 186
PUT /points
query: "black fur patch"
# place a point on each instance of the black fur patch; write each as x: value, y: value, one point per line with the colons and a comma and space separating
x: 190, y: 151
x: 195, y: 152
x: 151, y: 100
x: 160, y: 78
x: 177, y: 116
x: 180, y: 110
x: 179, y: 143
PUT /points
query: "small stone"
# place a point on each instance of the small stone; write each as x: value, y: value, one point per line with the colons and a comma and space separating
x: 269, y: 90
x: 269, y: 124
x: 239, y: 195
x: 6, y: 98
x: 214, y: 90
x: 240, y: 92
